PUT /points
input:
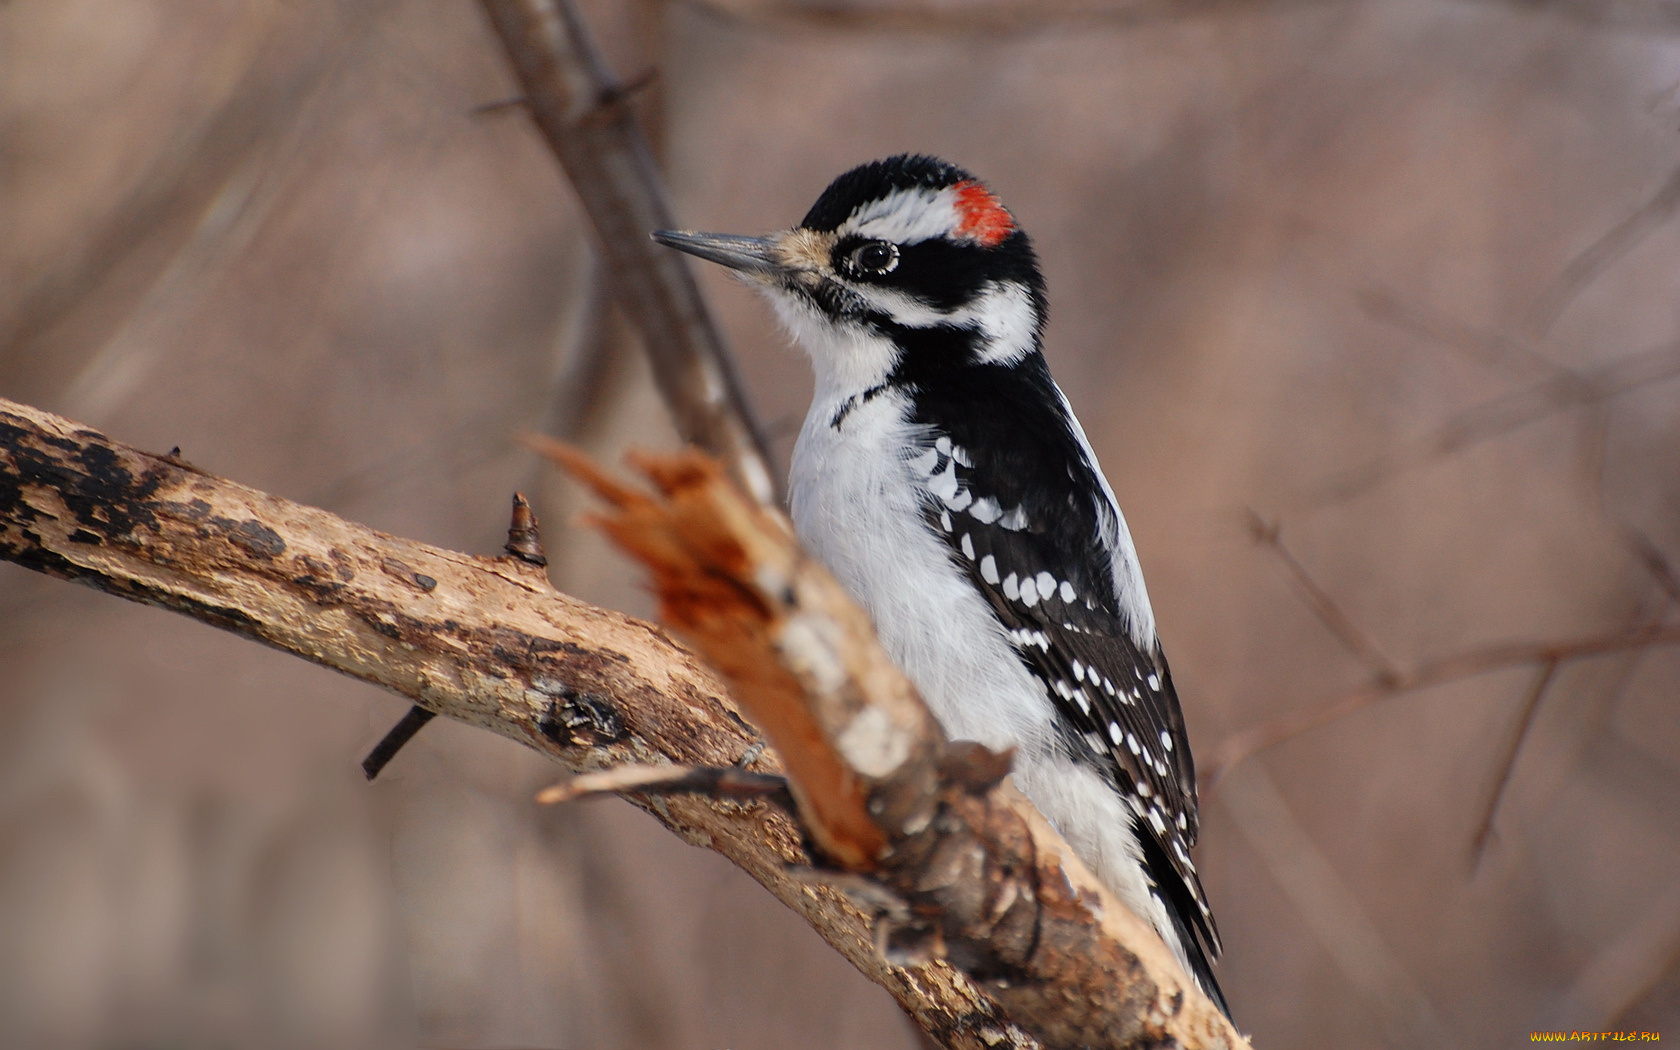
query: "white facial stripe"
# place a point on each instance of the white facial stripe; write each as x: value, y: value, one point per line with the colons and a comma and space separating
x: 906, y: 216
x: 1007, y: 320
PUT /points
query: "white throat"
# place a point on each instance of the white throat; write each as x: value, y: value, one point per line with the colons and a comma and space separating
x: 849, y: 358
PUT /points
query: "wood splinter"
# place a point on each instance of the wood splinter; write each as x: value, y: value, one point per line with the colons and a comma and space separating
x: 713, y: 782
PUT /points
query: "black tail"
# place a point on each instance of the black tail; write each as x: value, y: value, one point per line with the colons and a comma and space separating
x: 1186, y: 919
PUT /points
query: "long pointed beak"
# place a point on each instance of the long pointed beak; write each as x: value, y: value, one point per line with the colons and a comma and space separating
x: 750, y: 255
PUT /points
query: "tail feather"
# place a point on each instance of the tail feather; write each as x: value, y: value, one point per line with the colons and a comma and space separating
x: 1180, y: 906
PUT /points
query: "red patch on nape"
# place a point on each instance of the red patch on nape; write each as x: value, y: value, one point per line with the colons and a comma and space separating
x: 981, y: 216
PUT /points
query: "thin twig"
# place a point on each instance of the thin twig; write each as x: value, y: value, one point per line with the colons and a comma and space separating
x: 1494, y: 349
x: 1616, y: 242
x: 1531, y: 702
x: 1654, y: 560
x: 1487, y: 659
x: 1361, y: 645
x: 975, y: 17
x: 1508, y: 412
x: 395, y: 740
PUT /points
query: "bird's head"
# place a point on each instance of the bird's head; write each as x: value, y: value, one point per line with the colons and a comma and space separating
x: 892, y: 252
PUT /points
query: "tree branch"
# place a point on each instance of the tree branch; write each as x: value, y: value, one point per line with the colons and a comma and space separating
x: 580, y: 108
x: 1003, y: 932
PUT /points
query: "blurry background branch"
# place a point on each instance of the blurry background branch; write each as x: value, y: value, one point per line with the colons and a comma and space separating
x: 581, y: 109
x: 972, y: 16
x: 1003, y: 16
x: 1494, y: 418
x: 1387, y: 680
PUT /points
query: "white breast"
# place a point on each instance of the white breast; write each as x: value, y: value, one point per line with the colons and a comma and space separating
x: 858, y: 509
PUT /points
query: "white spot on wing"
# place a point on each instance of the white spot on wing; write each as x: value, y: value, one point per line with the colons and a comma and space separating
x: 988, y: 570
x: 986, y: 510
x: 1029, y: 592
x: 1011, y: 588
x: 1015, y: 520
x: 1068, y: 594
x: 944, y: 483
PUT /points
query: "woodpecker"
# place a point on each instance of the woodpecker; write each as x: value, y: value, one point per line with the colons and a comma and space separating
x: 942, y: 477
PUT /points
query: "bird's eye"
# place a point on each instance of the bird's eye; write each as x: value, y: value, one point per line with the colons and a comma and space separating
x: 875, y: 258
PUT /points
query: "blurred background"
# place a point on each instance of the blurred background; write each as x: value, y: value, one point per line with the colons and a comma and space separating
x: 1391, y: 286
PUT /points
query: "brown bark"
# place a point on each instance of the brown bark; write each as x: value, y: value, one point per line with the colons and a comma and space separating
x: 489, y: 642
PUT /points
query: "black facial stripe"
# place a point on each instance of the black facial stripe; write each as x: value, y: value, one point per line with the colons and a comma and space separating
x: 828, y: 296
x: 947, y: 274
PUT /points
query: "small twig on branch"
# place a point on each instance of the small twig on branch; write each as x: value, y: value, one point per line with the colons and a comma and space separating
x: 523, y: 543
x: 523, y: 540
x: 579, y: 107
x: 395, y: 740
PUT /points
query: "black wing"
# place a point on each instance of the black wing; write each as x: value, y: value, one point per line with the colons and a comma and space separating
x: 1019, y: 503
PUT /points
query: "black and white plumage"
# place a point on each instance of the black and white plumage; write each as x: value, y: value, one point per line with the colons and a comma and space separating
x: 943, y: 479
